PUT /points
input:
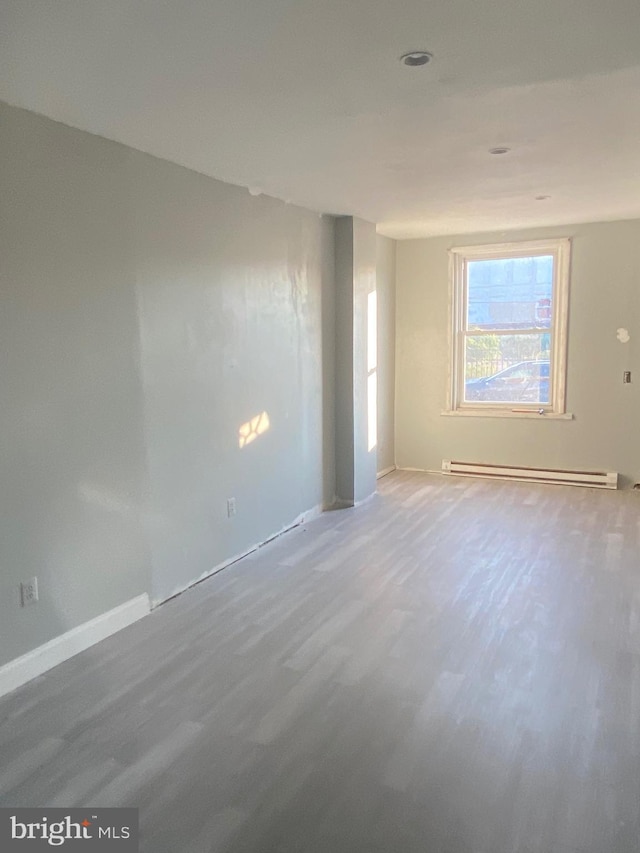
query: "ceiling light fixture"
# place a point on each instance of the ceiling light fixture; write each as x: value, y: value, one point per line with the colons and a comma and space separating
x: 499, y: 150
x: 542, y: 197
x: 416, y: 58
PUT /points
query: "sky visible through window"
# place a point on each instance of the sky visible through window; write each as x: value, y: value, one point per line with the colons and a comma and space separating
x: 510, y: 293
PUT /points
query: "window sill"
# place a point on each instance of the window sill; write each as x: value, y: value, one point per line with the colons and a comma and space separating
x: 506, y: 413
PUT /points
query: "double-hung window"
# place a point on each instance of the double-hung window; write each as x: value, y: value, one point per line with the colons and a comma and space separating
x: 509, y: 328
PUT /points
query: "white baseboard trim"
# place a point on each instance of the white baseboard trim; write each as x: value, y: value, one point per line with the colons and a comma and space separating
x: 303, y: 518
x: 28, y: 666
x: 419, y: 470
x: 385, y: 471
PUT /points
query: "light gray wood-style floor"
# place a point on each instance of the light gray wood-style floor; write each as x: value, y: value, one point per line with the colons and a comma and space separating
x: 453, y: 667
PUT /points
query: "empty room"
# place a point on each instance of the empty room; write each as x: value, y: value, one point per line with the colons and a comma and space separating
x: 319, y: 426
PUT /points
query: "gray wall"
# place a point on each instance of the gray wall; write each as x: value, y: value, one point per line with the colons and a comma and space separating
x: 386, y: 289
x: 230, y: 304
x: 148, y: 312
x: 345, y: 484
x: 72, y: 470
x: 604, y: 295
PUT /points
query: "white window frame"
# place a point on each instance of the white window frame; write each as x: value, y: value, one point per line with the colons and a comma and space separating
x: 459, y: 257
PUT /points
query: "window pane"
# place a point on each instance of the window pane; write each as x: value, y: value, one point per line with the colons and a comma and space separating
x: 510, y: 293
x: 507, y: 368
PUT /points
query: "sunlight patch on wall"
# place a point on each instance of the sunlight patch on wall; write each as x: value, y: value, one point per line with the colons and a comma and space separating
x: 372, y: 365
x: 372, y: 331
x: 252, y: 429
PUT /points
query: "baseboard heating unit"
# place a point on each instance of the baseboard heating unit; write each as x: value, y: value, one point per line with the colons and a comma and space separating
x: 592, y: 479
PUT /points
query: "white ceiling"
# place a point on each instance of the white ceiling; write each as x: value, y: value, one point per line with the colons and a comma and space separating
x: 306, y: 100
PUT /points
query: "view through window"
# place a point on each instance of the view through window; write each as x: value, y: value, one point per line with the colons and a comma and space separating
x: 509, y: 307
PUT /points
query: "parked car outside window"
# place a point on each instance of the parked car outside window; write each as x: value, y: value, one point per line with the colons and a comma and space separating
x: 524, y: 382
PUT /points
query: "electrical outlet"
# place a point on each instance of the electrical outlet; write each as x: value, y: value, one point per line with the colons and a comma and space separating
x: 231, y: 507
x: 29, y: 592
x: 626, y: 377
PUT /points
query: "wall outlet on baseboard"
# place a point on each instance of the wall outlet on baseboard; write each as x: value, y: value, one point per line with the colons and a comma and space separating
x: 231, y: 507
x: 29, y: 592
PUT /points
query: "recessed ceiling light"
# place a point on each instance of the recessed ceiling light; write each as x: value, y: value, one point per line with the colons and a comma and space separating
x: 499, y: 150
x: 416, y: 57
